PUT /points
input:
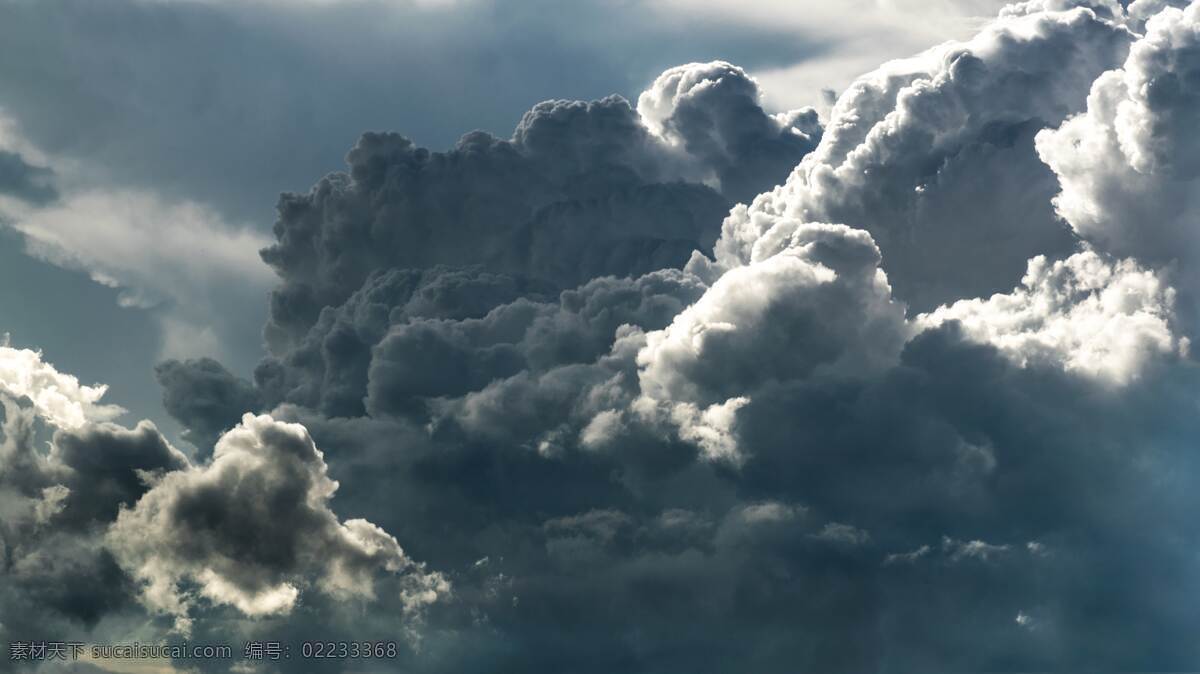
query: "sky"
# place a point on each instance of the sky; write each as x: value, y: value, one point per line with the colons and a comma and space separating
x: 627, y: 335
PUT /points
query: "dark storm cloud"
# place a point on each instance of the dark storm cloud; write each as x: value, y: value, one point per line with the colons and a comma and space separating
x: 582, y: 190
x: 606, y: 459
x: 110, y: 517
x: 789, y: 460
x: 194, y: 103
x: 57, y: 576
x: 205, y: 397
x: 565, y: 508
x: 110, y: 467
x: 992, y: 453
x: 24, y: 181
x: 955, y: 450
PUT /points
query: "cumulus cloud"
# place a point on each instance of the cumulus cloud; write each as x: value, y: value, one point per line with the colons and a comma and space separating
x: 712, y: 112
x: 581, y: 190
x: 616, y: 427
x: 59, y: 397
x: 207, y: 398
x: 1084, y: 313
x: 823, y: 290
x: 251, y: 528
x: 1127, y: 165
x: 109, y: 515
x: 58, y: 576
x: 933, y: 155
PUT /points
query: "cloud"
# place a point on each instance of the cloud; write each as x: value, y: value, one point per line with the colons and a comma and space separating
x: 24, y: 181
x: 76, y: 518
x: 933, y: 155
x: 185, y: 245
x: 853, y: 438
x: 1127, y: 166
x: 197, y: 276
x: 858, y: 35
x: 581, y: 190
x: 1084, y: 313
x: 58, y: 576
x: 712, y: 112
x: 251, y: 528
x: 823, y: 289
x: 104, y: 467
x: 205, y: 397
x: 59, y: 397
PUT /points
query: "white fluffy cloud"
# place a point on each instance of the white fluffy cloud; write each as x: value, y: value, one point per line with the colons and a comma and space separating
x: 57, y: 397
x: 933, y: 155
x: 814, y: 303
x: 819, y: 305
x: 1086, y: 314
x: 1129, y: 166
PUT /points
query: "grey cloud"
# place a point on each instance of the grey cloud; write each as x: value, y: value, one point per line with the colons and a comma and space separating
x: 375, y: 288
x: 195, y: 102
x: 328, y: 370
x: 205, y: 397
x: 582, y: 190
x: 763, y: 447
x: 110, y: 467
x: 419, y: 358
x: 58, y: 578
x: 24, y: 181
x: 990, y: 453
x: 251, y: 528
x: 89, y: 472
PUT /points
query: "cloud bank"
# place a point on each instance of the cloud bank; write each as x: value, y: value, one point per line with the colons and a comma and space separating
x: 687, y: 386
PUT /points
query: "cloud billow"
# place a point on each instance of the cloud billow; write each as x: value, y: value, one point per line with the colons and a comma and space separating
x: 578, y: 411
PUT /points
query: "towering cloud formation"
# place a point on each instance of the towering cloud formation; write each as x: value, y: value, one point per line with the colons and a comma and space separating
x: 581, y: 190
x: 1130, y: 165
x: 934, y: 156
x: 840, y: 430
